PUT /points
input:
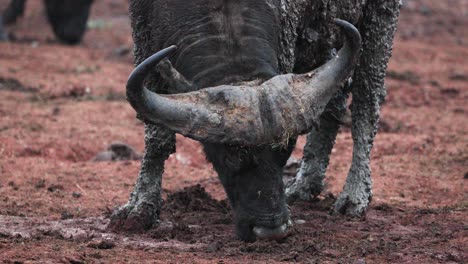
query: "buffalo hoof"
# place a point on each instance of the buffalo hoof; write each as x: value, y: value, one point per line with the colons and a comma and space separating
x: 136, y: 219
x: 302, y: 189
x: 352, y: 203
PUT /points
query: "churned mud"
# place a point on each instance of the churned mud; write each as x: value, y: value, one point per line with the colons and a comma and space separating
x: 61, y: 106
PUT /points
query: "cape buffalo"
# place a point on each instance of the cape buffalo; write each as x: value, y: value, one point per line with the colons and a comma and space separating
x: 243, y: 78
x: 68, y: 18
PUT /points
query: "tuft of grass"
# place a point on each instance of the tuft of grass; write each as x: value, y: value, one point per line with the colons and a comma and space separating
x: 98, y: 24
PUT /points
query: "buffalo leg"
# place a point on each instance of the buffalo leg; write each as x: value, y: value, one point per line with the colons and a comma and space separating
x: 143, y: 208
x: 308, y: 182
x: 378, y: 27
x: 3, y: 33
x: 68, y: 18
x: 13, y: 11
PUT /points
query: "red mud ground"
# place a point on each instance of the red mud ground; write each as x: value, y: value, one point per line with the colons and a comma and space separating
x: 60, y: 106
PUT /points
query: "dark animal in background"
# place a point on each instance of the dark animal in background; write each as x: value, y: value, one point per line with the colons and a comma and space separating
x: 68, y: 18
x: 228, y: 85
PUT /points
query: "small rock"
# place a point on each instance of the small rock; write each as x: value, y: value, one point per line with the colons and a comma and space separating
x: 385, y: 126
x: 40, y: 184
x: 408, y: 76
x: 459, y: 76
x: 396, y: 256
x: 87, y: 69
x: 292, y: 257
x: 101, y: 244
x: 76, y: 195
x: 77, y: 91
x: 454, y: 256
x: 122, y: 51
x: 34, y: 44
x: 300, y: 222
x: 104, y: 156
x: 96, y: 255
x: 118, y: 151
x: 434, y: 83
x: 425, y: 10
x: 124, y: 151
x: 466, y: 175
x: 360, y: 261
x: 55, y: 110
x: 331, y: 253
x: 450, y: 92
x: 13, y: 185
x: 55, y: 187
x: 214, y: 247
x: 73, y: 260
x: 66, y: 215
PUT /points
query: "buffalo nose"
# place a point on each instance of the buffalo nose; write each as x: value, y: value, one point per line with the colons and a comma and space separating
x: 271, y: 233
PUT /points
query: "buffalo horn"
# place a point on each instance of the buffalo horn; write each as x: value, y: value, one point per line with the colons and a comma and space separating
x: 284, y: 106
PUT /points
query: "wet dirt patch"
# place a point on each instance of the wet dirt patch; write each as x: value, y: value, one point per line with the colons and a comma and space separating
x: 194, y: 199
x: 387, y: 233
x: 10, y: 84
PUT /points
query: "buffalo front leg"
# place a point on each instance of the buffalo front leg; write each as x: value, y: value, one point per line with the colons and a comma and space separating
x: 3, y: 33
x: 308, y: 182
x: 378, y: 27
x: 14, y: 9
x: 143, y: 208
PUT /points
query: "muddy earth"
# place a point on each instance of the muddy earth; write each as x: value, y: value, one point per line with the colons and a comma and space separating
x: 61, y: 106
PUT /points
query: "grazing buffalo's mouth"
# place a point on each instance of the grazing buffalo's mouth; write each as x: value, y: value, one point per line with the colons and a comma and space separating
x: 251, y: 233
x: 277, y: 233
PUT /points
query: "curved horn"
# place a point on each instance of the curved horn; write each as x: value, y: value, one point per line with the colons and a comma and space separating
x: 281, y: 107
